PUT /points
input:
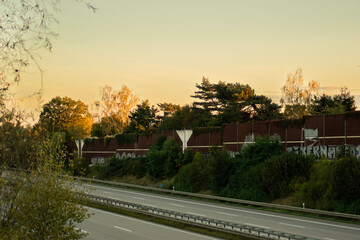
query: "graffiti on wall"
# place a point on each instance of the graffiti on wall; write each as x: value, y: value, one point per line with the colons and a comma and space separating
x: 327, y: 151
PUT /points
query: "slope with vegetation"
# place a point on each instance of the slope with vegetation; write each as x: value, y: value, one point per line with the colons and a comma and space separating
x: 261, y: 172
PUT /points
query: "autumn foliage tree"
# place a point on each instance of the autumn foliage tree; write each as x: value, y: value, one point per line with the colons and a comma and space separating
x: 63, y: 114
x: 297, y: 98
x: 114, y: 109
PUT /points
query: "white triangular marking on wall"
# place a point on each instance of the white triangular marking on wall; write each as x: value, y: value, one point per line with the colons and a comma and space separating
x: 184, y: 136
x: 81, y: 143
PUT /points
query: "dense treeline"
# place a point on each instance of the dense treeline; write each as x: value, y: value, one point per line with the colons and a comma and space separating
x: 219, y: 103
x: 261, y: 172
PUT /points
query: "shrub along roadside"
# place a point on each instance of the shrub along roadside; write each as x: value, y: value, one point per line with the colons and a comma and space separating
x: 261, y: 172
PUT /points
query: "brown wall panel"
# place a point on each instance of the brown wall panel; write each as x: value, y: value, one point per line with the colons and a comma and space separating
x: 202, y: 139
x: 261, y: 129
x: 230, y: 133
x: 353, y: 126
x: 215, y: 139
x: 277, y: 130
x: 245, y: 129
x: 334, y: 125
x: 294, y: 133
x: 315, y: 122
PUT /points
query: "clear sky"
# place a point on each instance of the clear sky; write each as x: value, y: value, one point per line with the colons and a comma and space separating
x: 161, y: 48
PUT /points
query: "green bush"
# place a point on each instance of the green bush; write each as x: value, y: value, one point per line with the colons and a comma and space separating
x: 220, y: 165
x: 183, y: 181
x: 245, y: 175
x: 138, y: 167
x: 262, y: 149
x: 200, y: 173
x: 346, y: 179
x: 187, y: 158
x: 245, y: 184
x: 280, y: 172
x: 333, y: 186
x: 80, y: 167
x: 316, y: 193
x: 162, y: 158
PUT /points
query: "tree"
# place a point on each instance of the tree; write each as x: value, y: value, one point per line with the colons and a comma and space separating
x: 115, y: 107
x: 16, y: 141
x: 168, y: 109
x: 263, y: 109
x: 233, y: 102
x: 216, y: 97
x: 66, y: 115
x: 107, y: 126
x: 297, y: 98
x: 341, y: 103
x: 38, y: 204
x: 186, y: 117
x: 143, y: 120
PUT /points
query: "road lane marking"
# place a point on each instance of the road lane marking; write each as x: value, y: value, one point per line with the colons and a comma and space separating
x: 82, y: 230
x: 124, y: 229
x: 228, y: 214
x: 231, y: 209
x: 139, y: 198
x: 149, y: 205
x: 176, y: 205
x: 254, y: 225
x: 114, y: 198
x: 329, y: 239
x: 291, y: 225
x: 107, y: 192
x: 197, y: 214
x: 153, y: 224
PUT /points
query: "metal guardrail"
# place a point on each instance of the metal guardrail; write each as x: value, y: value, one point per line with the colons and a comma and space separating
x: 196, y: 220
x: 231, y: 200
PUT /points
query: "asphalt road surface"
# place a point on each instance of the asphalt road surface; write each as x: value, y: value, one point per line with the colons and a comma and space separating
x: 109, y: 226
x: 304, y: 226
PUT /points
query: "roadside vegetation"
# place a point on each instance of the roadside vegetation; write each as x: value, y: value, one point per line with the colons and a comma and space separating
x: 261, y: 172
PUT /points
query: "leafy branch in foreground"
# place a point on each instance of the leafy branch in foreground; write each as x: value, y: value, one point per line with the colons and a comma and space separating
x: 37, y: 204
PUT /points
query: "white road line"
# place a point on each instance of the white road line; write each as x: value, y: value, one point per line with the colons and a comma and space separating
x: 329, y: 239
x: 177, y: 205
x: 228, y: 214
x: 233, y: 209
x: 153, y: 224
x: 115, y: 198
x: 149, y: 205
x: 107, y: 192
x: 139, y: 198
x: 124, y: 229
x: 82, y: 230
x: 254, y: 225
x: 291, y: 225
x: 197, y: 214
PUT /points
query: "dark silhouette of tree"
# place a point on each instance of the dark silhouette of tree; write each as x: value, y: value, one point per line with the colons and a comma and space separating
x: 233, y: 102
x: 340, y: 103
x: 143, y: 120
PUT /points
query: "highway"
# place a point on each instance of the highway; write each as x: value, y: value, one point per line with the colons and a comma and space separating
x: 105, y: 225
x: 304, y: 226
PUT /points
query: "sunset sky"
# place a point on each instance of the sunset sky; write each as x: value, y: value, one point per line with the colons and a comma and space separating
x: 161, y: 48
